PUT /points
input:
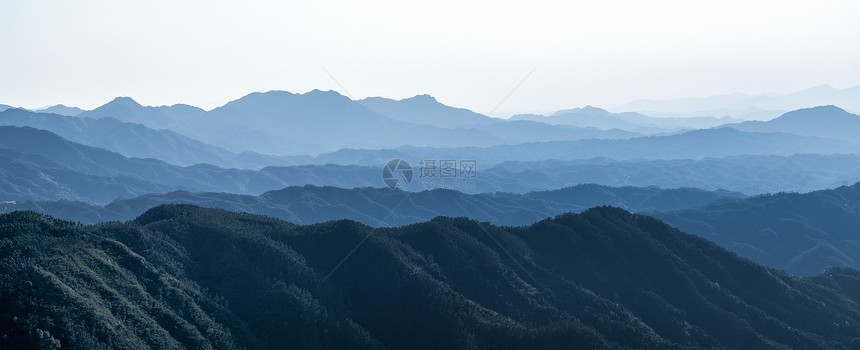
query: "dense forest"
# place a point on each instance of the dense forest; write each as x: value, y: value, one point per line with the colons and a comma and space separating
x: 185, y: 276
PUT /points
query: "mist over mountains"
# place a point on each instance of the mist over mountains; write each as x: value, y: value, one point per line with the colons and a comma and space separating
x: 282, y: 123
x: 337, y: 175
x: 382, y: 207
x: 824, y: 121
x: 740, y: 104
x: 589, y: 116
x: 267, y: 223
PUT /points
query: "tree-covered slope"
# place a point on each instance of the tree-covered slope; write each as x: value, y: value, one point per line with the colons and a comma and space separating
x: 181, y: 275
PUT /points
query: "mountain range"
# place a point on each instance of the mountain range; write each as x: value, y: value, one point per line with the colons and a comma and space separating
x: 61, y: 110
x: 283, y: 123
x: 41, y: 166
x: 803, y: 234
x: 824, y: 121
x: 386, y: 207
x: 32, y: 177
x: 589, y: 116
x: 135, y: 140
x: 697, y: 144
x: 816, y: 96
x: 324, y: 124
x: 182, y: 276
x: 747, y: 174
x: 425, y: 109
x: 75, y: 171
x: 265, y: 223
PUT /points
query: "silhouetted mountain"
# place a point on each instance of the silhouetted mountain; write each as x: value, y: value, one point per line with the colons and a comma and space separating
x: 385, y: 207
x: 5, y: 107
x: 587, y: 116
x: 816, y: 96
x: 722, y: 115
x: 279, y: 122
x: 824, y: 121
x: 174, y: 117
x: 61, y: 110
x: 522, y: 131
x: 630, y: 121
x: 90, y: 161
x: 182, y: 276
x: 84, y: 159
x: 424, y: 109
x: 747, y: 174
x: 698, y: 144
x: 800, y: 233
x: 30, y: 177
x: 135, y: 140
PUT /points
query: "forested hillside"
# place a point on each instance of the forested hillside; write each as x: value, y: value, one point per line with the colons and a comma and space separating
x: 181, y: 275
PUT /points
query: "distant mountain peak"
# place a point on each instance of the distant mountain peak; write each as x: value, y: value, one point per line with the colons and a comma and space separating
x: 318, y: 92
x: 590, y: 108
x: 586, y: 109
x: 818, y: 109
x: 825, y: 87
x: 828, y: 108
x: 124, y: 101
x: 423, y: 98
x: 816, y: 113
x: 61, y: 109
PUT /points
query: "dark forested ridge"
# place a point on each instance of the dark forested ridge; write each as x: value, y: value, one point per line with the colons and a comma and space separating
x: 181, y: 275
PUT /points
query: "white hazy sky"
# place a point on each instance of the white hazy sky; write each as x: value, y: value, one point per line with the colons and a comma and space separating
x: 466, y: 53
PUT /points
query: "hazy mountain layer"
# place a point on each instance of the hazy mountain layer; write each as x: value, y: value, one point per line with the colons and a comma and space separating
x: 31, y: 177
x: 589, y: 116
x: 699, y: 144
x: 136, y: 140
x: 424, y: 109
x: 61, y: 110
x: 817, y: 96
x: 385, y: 207
x: 746, y: 174
x: 279, y: 122
x: 70, y: 171
x: 825, y: 121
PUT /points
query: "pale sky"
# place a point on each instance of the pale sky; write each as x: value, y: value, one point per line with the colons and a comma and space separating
x: 465, y: 53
